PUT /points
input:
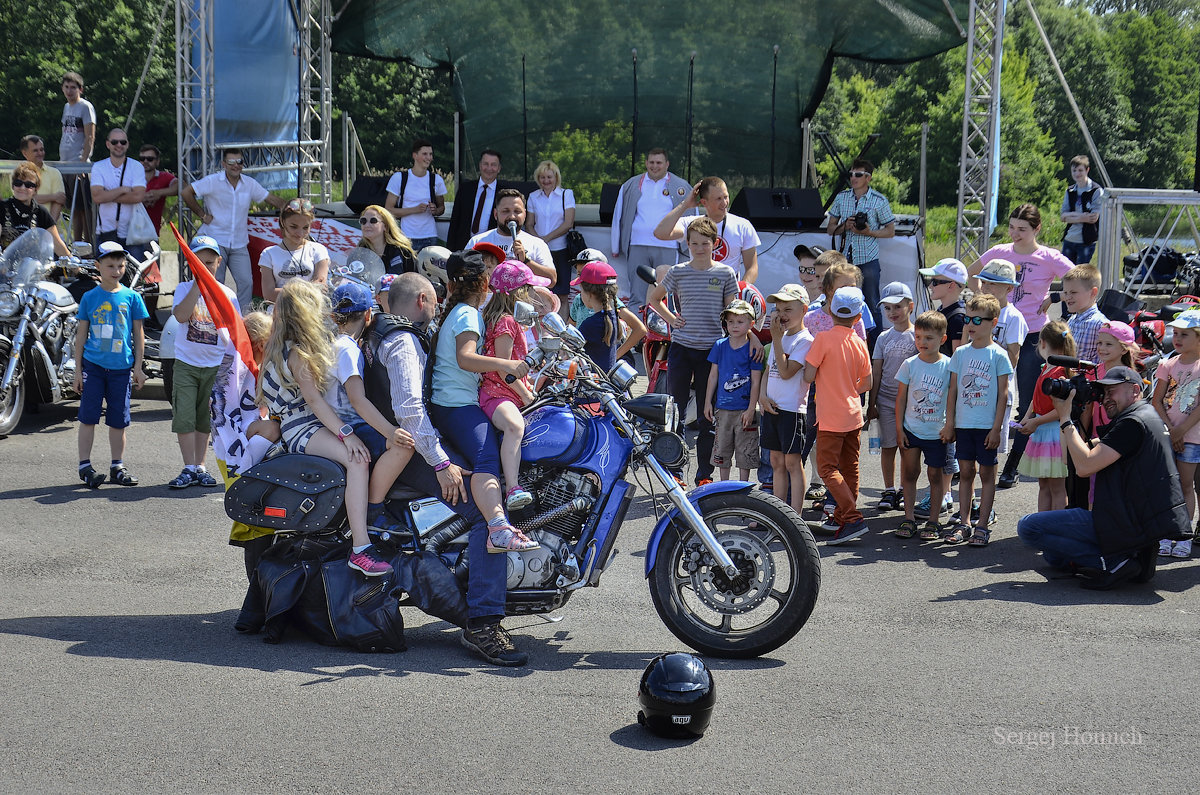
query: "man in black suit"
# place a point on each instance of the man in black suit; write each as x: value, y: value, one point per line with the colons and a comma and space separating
x: 473, y: 202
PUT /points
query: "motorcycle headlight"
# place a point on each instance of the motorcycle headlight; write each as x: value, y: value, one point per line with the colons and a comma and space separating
x: 10, y: 303
x: 671, y: 420
x: 622, y: 376
x: 656, y: 324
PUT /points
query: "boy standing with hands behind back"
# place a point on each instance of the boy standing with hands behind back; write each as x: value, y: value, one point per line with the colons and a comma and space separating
x: 108, y: 362
x: 841, y: 368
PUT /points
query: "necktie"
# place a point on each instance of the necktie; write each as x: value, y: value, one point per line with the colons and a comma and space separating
x: 479, y: 210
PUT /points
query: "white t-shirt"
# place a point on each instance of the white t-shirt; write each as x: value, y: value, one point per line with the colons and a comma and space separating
x: 653, y: 205
x: 535, y: 247
x: 790, y: 394
x: 736, y: 234
x: 108, y: 176
x: 1010, y: 327
x: 288, y: 265
x: 416, y: 191
x: 74, y: 117
x: 199, y: 342
x: 348, y: 361
x: 229, y: 207
x: 548, y: 213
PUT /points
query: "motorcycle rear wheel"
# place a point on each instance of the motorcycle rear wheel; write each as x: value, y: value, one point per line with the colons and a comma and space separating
x: 765, y: 605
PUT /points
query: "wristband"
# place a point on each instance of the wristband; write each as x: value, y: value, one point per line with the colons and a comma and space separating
x: 441, y: 466
x: 1066, y: 426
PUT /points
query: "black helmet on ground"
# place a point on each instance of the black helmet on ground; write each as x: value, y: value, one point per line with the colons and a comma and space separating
x: 676, y: 694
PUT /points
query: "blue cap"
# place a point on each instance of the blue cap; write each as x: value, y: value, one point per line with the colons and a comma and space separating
x: 352, y: 297
x: 847, y: 302
x: 202, y: 242
x: 894, y: 293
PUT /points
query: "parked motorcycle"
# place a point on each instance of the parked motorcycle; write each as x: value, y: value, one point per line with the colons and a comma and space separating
x: 37, y: 330
x: 733, y: 572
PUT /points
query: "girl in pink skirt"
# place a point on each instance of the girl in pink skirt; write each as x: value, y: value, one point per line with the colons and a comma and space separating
x: 1044, y: 457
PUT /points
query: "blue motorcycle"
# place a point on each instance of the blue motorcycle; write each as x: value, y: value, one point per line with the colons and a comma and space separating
x: 733, y: 571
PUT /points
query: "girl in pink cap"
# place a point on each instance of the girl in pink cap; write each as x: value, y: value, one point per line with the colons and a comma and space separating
x: 511, y: 281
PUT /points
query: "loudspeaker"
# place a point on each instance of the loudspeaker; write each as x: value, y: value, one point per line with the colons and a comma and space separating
x: 780, y: 209
x: 608, y: 201
x: 367, y: 191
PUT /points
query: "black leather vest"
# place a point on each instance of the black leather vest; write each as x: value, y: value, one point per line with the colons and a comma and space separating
x: 376, y: 382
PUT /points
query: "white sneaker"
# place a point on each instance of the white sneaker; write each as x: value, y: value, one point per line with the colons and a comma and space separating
x: 1164, y: 547
x: 1182, y: 549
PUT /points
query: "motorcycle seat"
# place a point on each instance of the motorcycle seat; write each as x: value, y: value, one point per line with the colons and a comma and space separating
x: 401, y: 491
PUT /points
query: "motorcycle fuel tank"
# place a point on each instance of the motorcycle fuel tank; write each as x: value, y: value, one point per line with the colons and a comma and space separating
x: 55, y: 295
x: 553, y: 434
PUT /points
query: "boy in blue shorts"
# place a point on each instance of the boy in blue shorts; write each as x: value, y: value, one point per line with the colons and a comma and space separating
x: 922, y: 384
x: 979, y: 374
x: 732, y: 403
x: 108, y: 362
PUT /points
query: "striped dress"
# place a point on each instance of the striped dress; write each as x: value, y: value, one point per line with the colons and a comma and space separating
x: 297, y: 423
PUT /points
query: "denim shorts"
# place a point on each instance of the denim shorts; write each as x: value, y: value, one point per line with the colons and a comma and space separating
x: 1190, y: 454
x: 934, y: 450
x: 971, y: 446
x: 112, y: 388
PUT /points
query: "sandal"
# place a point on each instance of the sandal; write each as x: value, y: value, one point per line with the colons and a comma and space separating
x: 930, y: 532
x: 887, y: 500
x: 907, y: 529
x: 980, y: 537
x: 91, y: 477
x: 815, y: 492
x: 507, y: 538
x: 957, y: 534
x: 120, y: 475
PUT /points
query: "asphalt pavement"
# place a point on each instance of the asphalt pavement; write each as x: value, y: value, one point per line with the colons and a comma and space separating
x: 923, y: 668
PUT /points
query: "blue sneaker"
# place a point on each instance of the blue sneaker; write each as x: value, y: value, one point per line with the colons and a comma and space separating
x: 921, y: 509
x: 848, y: 532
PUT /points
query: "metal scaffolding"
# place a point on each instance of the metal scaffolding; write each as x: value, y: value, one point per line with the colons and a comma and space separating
x: 309, y: 155
x: 981, y: 129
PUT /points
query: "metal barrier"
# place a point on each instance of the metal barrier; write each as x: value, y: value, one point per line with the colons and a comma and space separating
x: 1180, y: 205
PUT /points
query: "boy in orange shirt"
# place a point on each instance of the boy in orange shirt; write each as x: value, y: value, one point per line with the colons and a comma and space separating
x: 840, y: 366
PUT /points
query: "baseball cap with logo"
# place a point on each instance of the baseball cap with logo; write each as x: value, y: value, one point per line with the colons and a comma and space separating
x: 999, y: 271
x: 948, y: 268
x: 202, y: 242
x: 847, y: 302
x: 589, y: 255
x: 790, y: 292
x: 894, y: 293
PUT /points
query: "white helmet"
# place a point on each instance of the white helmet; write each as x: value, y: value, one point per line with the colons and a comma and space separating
x: 432, y: 262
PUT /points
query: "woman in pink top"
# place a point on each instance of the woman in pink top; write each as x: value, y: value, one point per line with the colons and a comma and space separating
x: 1037, y: 267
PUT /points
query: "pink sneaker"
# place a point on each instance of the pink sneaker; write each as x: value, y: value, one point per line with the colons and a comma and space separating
x: 369, y: 563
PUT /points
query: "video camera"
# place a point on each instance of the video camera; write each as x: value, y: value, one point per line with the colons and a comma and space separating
x: 1084, y: 384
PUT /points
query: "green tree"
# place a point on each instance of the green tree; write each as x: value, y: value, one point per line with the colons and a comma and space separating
x: 589, y: 158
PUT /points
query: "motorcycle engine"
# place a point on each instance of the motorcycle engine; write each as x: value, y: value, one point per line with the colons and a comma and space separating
x: 565, y: 500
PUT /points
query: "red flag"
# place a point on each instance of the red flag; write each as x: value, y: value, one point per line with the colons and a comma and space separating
x: 221, y: 309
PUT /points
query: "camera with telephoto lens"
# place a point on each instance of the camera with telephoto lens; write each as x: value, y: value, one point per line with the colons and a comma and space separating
x: 860, y: 221
x: 1084, y: 384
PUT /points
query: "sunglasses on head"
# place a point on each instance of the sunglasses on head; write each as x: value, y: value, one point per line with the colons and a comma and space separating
x: 978, y: 321
x: 940, y: 282
x: 370, y: 220
x: 299, y: 205
x: 20, y: 183
x: 860, y: 173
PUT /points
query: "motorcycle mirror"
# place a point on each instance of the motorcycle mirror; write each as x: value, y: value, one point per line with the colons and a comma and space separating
x: 550, y: 344
x: 554, y: 324
x: 622, y: 376
x: 525, y: 314
x: 81, y: 248
x: 646, y: 274
x: 572, y: 337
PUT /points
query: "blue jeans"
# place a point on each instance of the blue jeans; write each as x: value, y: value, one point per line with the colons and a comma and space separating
x: 487, y: 577
x: 1029, y: 366
x: 419, y: 243
x: 1064, y: 537
x: 1079, y: 253
x: 870, y: 288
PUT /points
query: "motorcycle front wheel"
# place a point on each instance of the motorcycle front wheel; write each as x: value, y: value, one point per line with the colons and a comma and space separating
x: 13, y: 404
x: 765, y: 605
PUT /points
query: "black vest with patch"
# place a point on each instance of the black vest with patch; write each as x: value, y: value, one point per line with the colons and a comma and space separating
x: 377, y: 383
x: 1091, y: 232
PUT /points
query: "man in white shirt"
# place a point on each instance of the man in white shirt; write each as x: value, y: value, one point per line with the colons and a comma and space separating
x: 641, y: 204
x: 417, y: 197
x: 527, y: 248
x: 474, y: 201
x: 116, y: 184
x: 227, y: 199
x: 737, y: 241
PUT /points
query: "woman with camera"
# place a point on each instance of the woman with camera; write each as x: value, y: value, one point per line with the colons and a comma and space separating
x: 1037, y: 267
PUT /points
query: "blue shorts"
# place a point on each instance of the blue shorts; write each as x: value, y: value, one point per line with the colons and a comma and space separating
x: 468, y: 431
x: 1190, y: 454
x: 934, y: 450
x: 971, y: 446
x: 113, y: 388
x: 373, y: 439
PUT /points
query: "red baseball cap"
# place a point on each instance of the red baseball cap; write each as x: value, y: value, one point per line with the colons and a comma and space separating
x: 596, y: 273
x: 491, y: 248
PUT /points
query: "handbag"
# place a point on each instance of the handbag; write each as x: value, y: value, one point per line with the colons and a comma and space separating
x: 574, y: 238
x: 141, y: 228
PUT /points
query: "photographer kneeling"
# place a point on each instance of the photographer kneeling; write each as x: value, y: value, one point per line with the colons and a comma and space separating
x: 1138, y: 498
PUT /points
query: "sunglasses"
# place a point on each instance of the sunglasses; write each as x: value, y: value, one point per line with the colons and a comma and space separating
x: 20, y: 183
x: 300, y: 205
x: 978, y: 321
x: 147, y: 158
x: 372, y: 220
x: 860, y: 173
x: 122, y: 142
x: 940, y: 282
x: 237, y: 161
x: 809, y: 270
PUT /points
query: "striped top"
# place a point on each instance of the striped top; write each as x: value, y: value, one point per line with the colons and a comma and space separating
x: 701, y: 296
x: 297, y: 423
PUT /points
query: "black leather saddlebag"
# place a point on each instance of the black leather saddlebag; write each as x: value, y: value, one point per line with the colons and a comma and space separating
x: 296, y: 492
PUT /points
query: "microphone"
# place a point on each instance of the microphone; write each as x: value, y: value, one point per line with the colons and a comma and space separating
x: 512, y: 229
x: 1070, y: 361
